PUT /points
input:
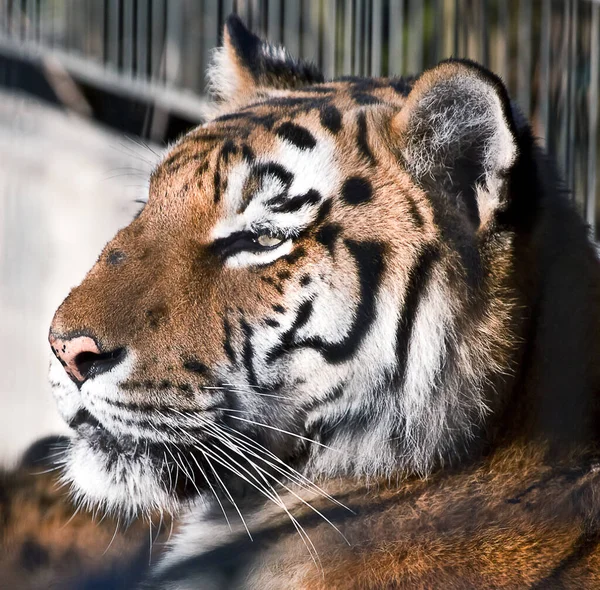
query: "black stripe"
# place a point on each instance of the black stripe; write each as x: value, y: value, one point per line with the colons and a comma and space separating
x: 414, y: 212
x: 195, y: 366
x: 293, y: 204
x: 287, y: 338
x: 247, y: 153
x: 362, y: 138
x: 362, y: 98
x: 229, y: 149
x: 176, y: 161
x: 299, y: 136
x: 327, y: 236
x: 356, y: 191
x: 227, y: 341
x: 274, y: 169
x: 248, y: 353
x: 369, y: 262
x: 418, y: 280
x: 324, y: 211
x: 294, y: 255
x: 217, y: 184
x: 583, y: 548
x: 331, y: 118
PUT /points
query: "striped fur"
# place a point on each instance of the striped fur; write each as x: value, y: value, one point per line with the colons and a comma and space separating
x: 342, y: 283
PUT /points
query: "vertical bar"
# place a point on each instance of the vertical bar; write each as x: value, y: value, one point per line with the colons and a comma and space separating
x: 174, y: 30
x: 484, y: 33
x: 564, y: 85
x: 227, y: 6
x: 544, y: 87
x: 274, y: 20
x: 4, y: 16
x: 291, y: 26
x: 448, y: 23
x: 142, y: 39
x: 571, y: 99
x: 593, y: 98
x: 358, y: 46
x: 366, y: 31
x: 30, y: 18
x: 329, y: 39
x: 112, y: 46
x: 243, y: 10
x: 415, y: 36
x: 524, y: 48
x: 396, y: 48
x: 157, y: 40
x: 376, y: 37
x: 347, y: 65
x: 210, y: 28
x: 311, y: 23
x: 437, y: 38
x: 128, y: 20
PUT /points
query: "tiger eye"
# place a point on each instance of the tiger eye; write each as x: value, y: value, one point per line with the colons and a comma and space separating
x: 267, y: 241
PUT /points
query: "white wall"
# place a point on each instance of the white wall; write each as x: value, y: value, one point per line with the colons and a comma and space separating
x: 66, y: 186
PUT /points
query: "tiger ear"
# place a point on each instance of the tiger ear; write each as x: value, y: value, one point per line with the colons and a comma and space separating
x: 457, y: 137
x: 246, y: 66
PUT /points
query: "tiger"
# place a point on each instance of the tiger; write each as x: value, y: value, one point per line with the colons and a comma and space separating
x: 350, y: 341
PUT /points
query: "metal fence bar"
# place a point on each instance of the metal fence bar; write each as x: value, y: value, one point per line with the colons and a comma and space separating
x: 544, y: 87
x: 128, y: 38
x: 396, y: 47
x: 376, y: 35
x: 415, y: 36
x: 593, y: 100
x: 524, y: 49
x: 274, y: 20
x: 291, y: 27
x: 347, y: 57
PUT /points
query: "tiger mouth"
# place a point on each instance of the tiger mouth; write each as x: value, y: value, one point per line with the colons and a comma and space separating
x: 89, y: 427
x: 128, y: 450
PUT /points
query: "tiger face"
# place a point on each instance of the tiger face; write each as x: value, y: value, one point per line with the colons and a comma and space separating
x: 320, y: 279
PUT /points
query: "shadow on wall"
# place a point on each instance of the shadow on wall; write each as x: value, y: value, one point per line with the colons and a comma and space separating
x: 66, y: 186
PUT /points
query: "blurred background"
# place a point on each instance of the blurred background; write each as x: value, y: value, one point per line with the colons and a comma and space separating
x: 91, y: 92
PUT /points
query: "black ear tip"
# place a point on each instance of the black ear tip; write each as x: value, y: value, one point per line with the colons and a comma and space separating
x: 238, y: 32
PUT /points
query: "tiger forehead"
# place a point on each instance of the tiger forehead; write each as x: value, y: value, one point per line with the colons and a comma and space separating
x: 299, y: 116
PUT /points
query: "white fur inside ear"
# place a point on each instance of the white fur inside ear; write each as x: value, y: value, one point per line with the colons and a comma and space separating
x: 454, y: 119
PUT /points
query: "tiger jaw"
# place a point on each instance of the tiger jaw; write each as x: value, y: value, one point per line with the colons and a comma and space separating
x: 128, y: 458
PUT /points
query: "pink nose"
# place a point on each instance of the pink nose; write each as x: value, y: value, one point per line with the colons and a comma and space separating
x: 81, y: 357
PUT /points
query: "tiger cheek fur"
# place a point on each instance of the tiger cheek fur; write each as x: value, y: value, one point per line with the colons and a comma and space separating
x: 330, y: 281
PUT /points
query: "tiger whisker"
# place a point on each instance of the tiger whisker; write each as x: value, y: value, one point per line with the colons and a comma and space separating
x: 229, y: 496
x: 236, y: 390
x: 113, y: 538
x: 212, y: 489
x: 267, y: 474
x: 284, y: 468
x: 273, y: 496
x: 291, y: 473
x: 299, y: 436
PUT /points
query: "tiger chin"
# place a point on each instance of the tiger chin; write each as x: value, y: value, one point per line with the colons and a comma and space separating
x: 351, y: 340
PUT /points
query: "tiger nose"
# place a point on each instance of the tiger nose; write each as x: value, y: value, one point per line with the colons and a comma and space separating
x: 81, y: 357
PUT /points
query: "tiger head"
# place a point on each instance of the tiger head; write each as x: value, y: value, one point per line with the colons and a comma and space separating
x: 324, y: 276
